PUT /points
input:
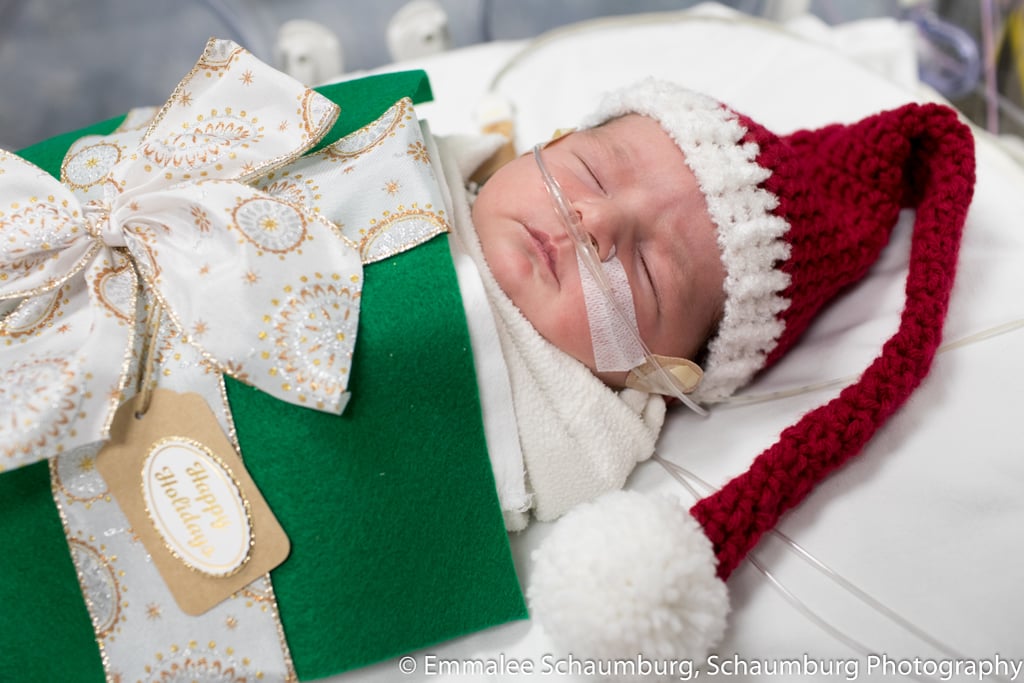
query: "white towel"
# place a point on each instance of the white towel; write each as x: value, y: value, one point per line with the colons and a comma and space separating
x: 579, y: 438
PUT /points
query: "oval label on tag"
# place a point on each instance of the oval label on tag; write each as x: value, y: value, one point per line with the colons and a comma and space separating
x: 197, y: 506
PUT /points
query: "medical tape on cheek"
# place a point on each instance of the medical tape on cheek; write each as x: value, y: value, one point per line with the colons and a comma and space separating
x: 615, y: 345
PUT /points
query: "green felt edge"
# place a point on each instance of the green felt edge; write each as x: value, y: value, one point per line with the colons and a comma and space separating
x: 370, y: 579
x: 46, y: 629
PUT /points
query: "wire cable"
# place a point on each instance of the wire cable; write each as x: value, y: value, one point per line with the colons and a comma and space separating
x: 687, y: 478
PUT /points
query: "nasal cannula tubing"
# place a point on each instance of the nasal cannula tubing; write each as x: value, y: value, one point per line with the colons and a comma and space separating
x: 690, y: 481
x: 590, y: 258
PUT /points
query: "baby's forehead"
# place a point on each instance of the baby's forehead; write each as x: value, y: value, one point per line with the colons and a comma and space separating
x: 623, y: 139
x: 612, y: 134
x: 618, y: 126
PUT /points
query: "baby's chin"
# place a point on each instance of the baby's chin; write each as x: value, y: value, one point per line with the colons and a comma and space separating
x: 614, y: 380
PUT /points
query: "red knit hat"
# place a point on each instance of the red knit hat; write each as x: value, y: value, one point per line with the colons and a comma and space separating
x: 801, y: 218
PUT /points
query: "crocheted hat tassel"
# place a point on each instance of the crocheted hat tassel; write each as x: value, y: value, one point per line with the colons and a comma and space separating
x: 939, y: 180
x: 628, y: 575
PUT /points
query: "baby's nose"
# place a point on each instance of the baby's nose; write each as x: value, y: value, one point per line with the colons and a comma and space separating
x: 602, y: 218
x: 604, y: 252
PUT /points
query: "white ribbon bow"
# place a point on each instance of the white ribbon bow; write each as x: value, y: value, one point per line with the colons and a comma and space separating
x: 267, y: 290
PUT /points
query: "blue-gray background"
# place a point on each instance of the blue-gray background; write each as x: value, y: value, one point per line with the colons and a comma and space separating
x: 67, y: 63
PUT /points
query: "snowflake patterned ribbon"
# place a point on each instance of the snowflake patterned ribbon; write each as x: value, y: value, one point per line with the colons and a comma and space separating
x: 265, y: 288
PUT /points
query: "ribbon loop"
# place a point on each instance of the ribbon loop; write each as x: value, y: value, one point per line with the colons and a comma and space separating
x: 277, y: 301
x: 231, y: 117
x: 42, y: 240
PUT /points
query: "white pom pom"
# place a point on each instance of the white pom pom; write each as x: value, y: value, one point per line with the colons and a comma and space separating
x: 629, y: 575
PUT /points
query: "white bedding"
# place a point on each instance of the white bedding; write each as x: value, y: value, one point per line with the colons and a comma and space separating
x: 929, y: 520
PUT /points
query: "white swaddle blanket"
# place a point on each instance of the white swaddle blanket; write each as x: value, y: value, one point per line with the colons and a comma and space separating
x: 576, y: 437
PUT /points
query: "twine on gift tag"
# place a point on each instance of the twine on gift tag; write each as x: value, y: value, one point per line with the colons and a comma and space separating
x: 148, y: 362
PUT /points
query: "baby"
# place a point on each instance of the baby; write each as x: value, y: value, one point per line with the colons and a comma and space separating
x: 731, y: 238
x: 639, y: 205
x: 639, y: 202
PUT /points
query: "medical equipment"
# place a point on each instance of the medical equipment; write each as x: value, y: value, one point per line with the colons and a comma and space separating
x: 611, y: 315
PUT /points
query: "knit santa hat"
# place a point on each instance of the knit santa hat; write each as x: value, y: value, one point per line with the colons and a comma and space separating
x: 800, y: 218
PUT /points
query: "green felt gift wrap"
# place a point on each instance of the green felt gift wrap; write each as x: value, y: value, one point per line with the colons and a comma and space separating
x: 397, y: 537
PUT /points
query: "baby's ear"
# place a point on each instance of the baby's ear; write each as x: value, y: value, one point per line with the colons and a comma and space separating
x: 559, y: 134
x: 471, y: 152
x: 495, y: 116
x: 505, y: 153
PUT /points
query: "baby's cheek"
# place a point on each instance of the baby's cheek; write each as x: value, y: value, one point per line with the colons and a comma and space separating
x: 513, y: 274
x: 569, y: 330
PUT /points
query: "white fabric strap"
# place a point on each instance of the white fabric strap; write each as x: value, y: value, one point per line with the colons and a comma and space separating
x: 460, y: 157
x: 615, y: 345
x: 140, y: 630
x: 579, y: 438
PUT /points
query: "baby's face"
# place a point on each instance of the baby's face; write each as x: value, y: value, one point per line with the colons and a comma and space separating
x: 628, y: 182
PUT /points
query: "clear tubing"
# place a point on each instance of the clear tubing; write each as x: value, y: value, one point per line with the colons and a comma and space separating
x: 589, y: 258
x: 687, y: 479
